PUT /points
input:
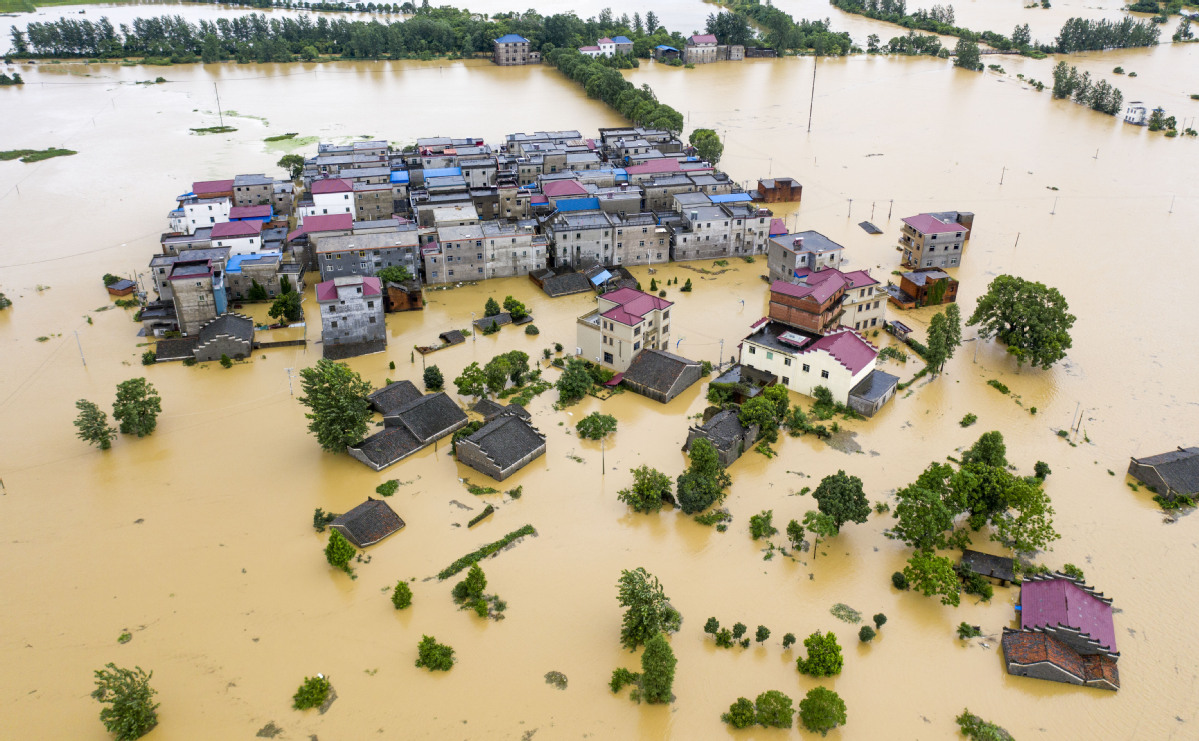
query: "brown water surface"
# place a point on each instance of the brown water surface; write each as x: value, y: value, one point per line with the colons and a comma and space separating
x: 197, y: 539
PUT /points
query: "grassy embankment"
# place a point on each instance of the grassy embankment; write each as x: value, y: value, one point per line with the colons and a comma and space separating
x: 34, y: 155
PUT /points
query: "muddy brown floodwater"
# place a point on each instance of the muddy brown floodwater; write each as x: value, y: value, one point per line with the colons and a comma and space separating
x: 197, y: 540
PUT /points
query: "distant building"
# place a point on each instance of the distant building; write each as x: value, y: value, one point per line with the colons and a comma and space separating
x: 1136, y: 113
x: 700, y: 49
x: 253, y: 190
x: 1066, y: 634
x: 328, y: 196
x: 623, y: 44
x: 367, y: 253
x: 821, y: 300
x: 802, y: 360
x: 502, y: 446
x: 660, y: 375
x: 935, y: 240
x: 809, y: 250
x: 241, y: 237
x: 213, y: 189
x: 625, y: 322
x: 778, y: 190
x: 351, y: 316
x: 513, y: 49
x: 231, y: 335
x: 663, y: 52
x: 1171, y: 475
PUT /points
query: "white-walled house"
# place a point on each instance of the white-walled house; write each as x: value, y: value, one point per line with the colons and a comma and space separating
x: 802, y: 360
x: 241, y: 237
x: 198, y: 213
x: 329, y: 196
x: 625, y: 322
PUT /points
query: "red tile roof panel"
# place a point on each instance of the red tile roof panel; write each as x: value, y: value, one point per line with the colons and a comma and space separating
x: 556, y: 188
x: 706, y: 38
x: 236, y: 229
x: 331, y: 185
x: 209, y: 187
x: 632, y: 305
x: 249, y: 212
x: 1052, y: 602
x: 654, y: 166
x: 848, y: 348
x: 929, y: 224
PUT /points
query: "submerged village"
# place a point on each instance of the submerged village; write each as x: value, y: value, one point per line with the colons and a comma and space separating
x: 655, y: 423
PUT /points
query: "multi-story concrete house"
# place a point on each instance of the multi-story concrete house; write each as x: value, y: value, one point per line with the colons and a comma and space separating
x: 864, y: 304
x: 809, y: 250
x: 252, y: 190
x: 267, y: 270
x: 720, y: 230
x: 700, y: 49
x: 935, y: 240
x: 241, y: 237
x: 625, y: 322
x: 623, y: 44
x: 514, y: 49
x: 640, y: 240
x: 351, y: 314
x: 373, y: 201
x: 197, y: 213
x: 582, y: 238
x: 801, y: 360
x: 198, y: 292
x: 515, y: 144
x: 283, y: 195
x: 366, y: 253
x: 822, y: 300
x: 213, y: 189
x: 162, y: 265
x: 328, y: 196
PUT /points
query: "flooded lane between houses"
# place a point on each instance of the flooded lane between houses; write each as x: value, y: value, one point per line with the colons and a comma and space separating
x: 197, y: 540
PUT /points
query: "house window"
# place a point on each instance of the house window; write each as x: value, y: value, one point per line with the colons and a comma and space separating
x: 752, y: 350
x: 786, y: 361
x: 807, y: 368
x: 873, y: 322
x: 824, y: 374
x: 769, y: 355
x: 637, y: 345
x: 334, y: 325
x: 372, y: 320
x: 786, y: 381
x: 953, y: 261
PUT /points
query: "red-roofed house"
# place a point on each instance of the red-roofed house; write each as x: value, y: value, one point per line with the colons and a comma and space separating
x: 1066, y: 633
x: 935, y: 240
x: 700, y: 49
x: 626, y: 322
x: 802, y: 360
x: 820, y: 300
x: 241, y: 237
x: 329, y: 196
x: 563, y: 188
x: 351, y: 315
x: 213, y: 189
x: 332, y: 224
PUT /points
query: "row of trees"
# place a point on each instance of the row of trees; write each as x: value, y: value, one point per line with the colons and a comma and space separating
x: 1083, y: 34
x: 1100, y: 96
x: 638, y: 104
x: 494, y: 376
x: 779, y: 30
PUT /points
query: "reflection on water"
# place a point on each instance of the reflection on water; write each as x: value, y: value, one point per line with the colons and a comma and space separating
x: 197, y: 539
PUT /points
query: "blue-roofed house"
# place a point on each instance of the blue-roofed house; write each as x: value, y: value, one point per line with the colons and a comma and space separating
x: 731, y: 198
x: 513, y: 49
x: 663, y: 52
x: 624, y: 45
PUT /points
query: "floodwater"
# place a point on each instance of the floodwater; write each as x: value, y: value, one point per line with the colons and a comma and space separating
x: 197, y: 539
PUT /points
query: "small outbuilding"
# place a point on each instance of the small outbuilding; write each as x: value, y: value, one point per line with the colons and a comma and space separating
x: 661, y: 375
x: 872, y: 392
x: 368, y: 523
x: 1170, y: 474
x: 453, y: 337
x: 122, y: 287
x: 984, y: 564
x: 503, y: 446
x: 726, y: 433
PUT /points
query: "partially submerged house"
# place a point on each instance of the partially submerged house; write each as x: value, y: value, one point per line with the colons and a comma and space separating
x: 122, y: 287
x: 925, y: 287
x: 726, y: 433
x: 780, y: 190
x: 873, y: 392
x: 1066, y: 634
x: 414, y: 426
x: 661, y: 375
x: 392, y: 397
x: 368, y: 523
x: 502, y: 446
x: 985, y: 564
x: 403, y: 296
x: 227, y: 334
x: 802, y: 360
x: 1170, y: 474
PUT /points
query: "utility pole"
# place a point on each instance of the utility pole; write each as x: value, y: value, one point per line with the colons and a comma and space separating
x: 1001, y: 174
x: 1054, y: 210
x: 720, y: 360
x: 1172, y: 203
x: 872, y: 210
x: 812, y: 100
x: 889, y: 209
x: 218, y: 104
x: 849, y: 214
x: 1096, y: 155
x: 1017, y: 241
x: 289, y: 387
x: 474, y: 331
x: 80, y: 348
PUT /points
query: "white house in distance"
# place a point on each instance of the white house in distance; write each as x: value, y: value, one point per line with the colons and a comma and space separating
x: 626, y: 322
x: 329, y: 196
x: 605, y: 47
x: 1136, y: 113
x: 803, y: 360
x: 241, y: 237
x: 199, y: 213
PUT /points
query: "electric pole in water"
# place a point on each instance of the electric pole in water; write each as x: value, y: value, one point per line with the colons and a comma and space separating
x: 80, y: 348
x: 289, y: 388
x: 1001, y: 174
x: 812, y: 100
x: 219, y: 113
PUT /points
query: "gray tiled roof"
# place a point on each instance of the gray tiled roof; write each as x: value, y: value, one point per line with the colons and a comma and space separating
x: 368, y: 523
x: 393, y: 397
x: 428, y: 417
x: 233, y: 325
x: 506, y: 439
x: 657, y: 370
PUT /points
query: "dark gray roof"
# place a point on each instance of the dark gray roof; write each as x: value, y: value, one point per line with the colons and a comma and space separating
x: 657, y: 370
x: 233, y: 325
x: 875, y: 386
x: 368, y: 523
x: 920, y: 277
x: 723, y: 429
x: 428, y: 417
x: 812, y: 242
x: 996, y: 567
x: 453, y: 337
x: 1178, y: 469
x: 175, y: 349
x: 389, y: 445
x: 392, y: 397
x: 563, y: 284
x: 506, y: 439
x: 501, y: 319
x: 490, y: 409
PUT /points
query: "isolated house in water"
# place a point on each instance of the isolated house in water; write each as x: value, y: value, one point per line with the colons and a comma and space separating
x: 368, y: 523
x: 726, y: 433
x: 1066, y: 634
x: 1170, y: 474
x: 661, y: 375
x: 503, y: 446
x: 413, y: 426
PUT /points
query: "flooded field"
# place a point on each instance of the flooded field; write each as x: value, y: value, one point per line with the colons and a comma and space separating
x: 197, y: 540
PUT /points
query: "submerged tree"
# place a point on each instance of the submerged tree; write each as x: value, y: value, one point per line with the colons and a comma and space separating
x: 821, y: 710
x: 650, y: 489
x: 130, y: 711
x: 93, y: 425
x: 647, y: 609
x: 337, y: 401
x: 137, y: 407
x: 657, y: 670
x: 841, y: 497
x: 705, y: 480
x: 1032, y: 319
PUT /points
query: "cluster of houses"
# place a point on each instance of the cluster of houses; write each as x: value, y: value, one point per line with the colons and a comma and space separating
x: 514, y: 49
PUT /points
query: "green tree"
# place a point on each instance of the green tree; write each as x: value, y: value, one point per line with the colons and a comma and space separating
x: 309, y: 53
x: 707, y: 144
x: 824, y: 655
x: 496, y: 373
x: 338, y: 410
x: 293, y: 164
x: 649, y: 490
x: 973, y: 727
x: 933, y: 575
x: 879, y: 620
x: 286, y: 306
x: 760, y: 411
x: 515, y: 308
x: 648, y: 612
x: 518, y: 365
x: 820, y: 526
x: 795, y: 534
x: 434, y: 381
x: 491, y: 308
x: 130, y: 711
x: 596, y: 426
x: 472, y: 382
x: 936, y: 352
x: 821, y: 710
x: 137, y: 407
x: 1033, y: 320
x: 434, y: 656
x: 657, y: 670
x: 312, y: 693
x: 866, y: 634
x: 741, y: 714
x: 4, y: 301
x: 1026, y: 523
x: 925, y: 511
x: 473, y: 585
x: 256, y: 292
x: 774, y: 710
x: 762, y: 525
x: 989, y: 450
x: 575, y: 382
x: 966, y: 55
x: 777, y: 394
x: 761, y: 634
x: 705, y: 480
x: 401, y: 596
x: 93, y: 425
x: 339, y: 551
x: 393, y: 274
x: 842, y: 498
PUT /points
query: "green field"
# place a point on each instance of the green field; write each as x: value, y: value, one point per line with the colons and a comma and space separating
x: 34, y: 155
